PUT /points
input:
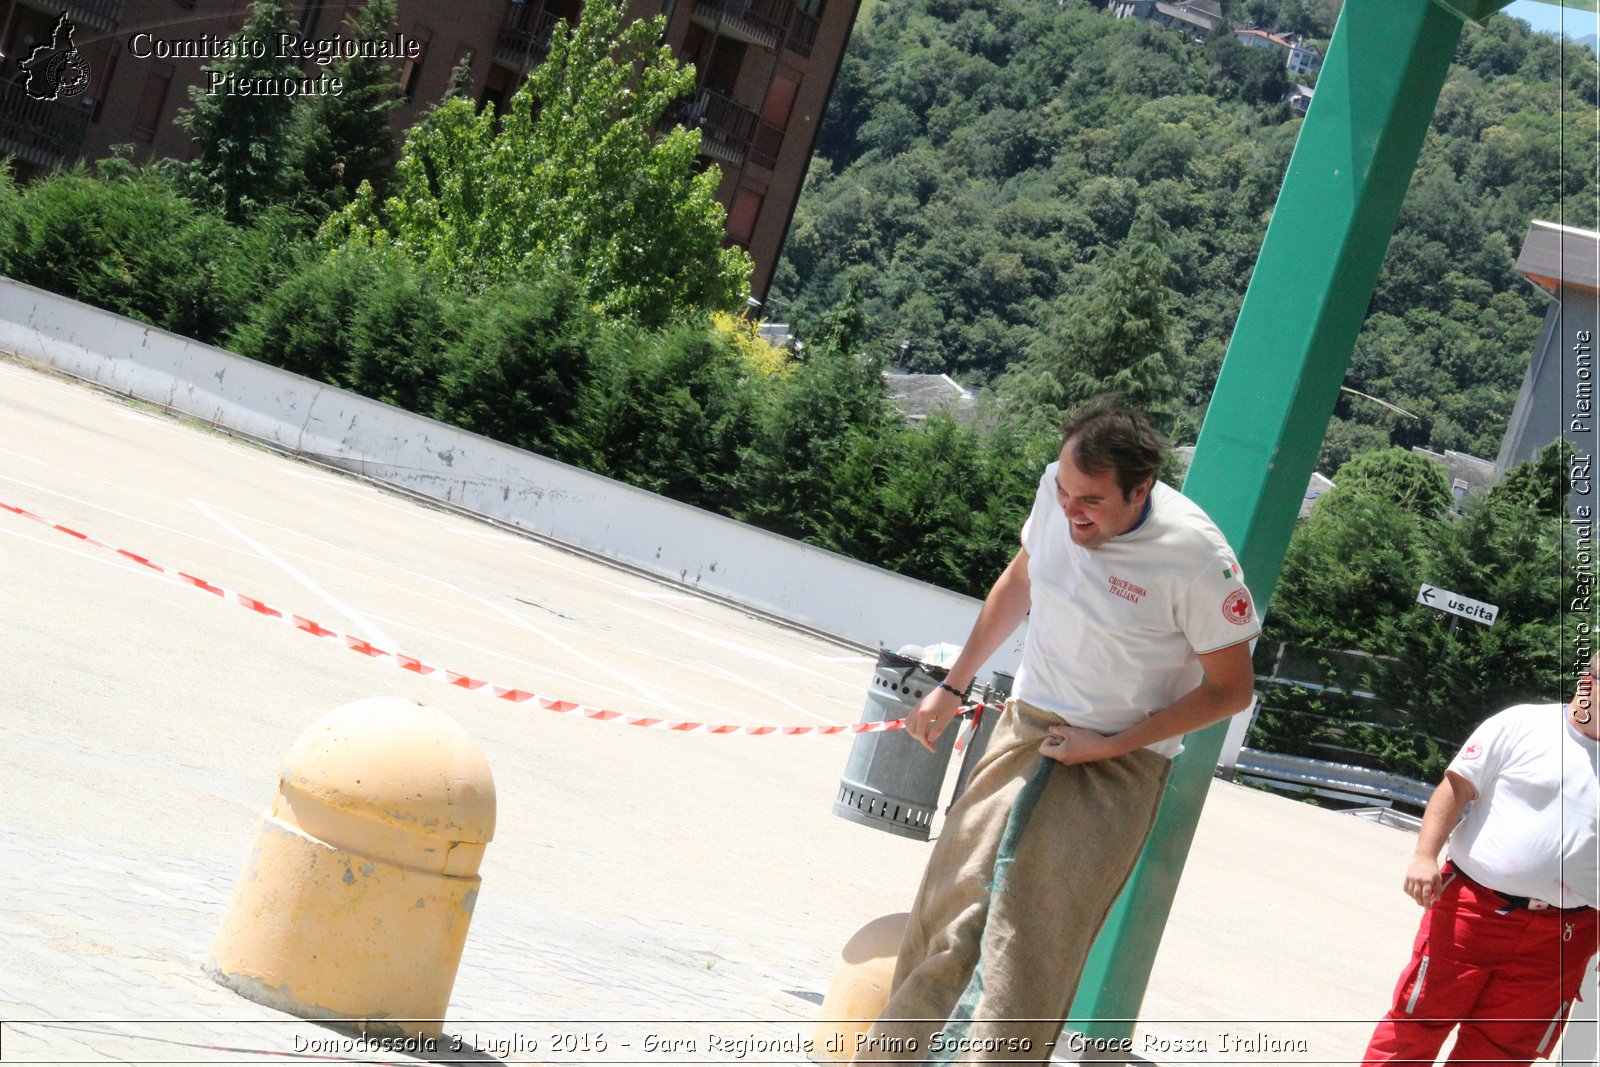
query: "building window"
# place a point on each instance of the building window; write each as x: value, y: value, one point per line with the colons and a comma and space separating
x: 742, y: 215
x: 148, y: 118
x: 780, y: 101
x: 103, y: 80
x: 310, y: 18
x: 411, y: 71
x: 465, y: 53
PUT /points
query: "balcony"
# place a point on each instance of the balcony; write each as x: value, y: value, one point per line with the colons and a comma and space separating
x: 45, y: 133
x: 729, y: 131
x: 103, y: 15
x: 802, y: 33
x: 757, y: 22
x: 524, y: 40
x: 725, y: 126
x: 767, y: 23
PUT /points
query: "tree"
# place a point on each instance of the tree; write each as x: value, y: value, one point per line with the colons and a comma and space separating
x: 1355, y: 562
x: 131, y: 242
x: 1040, y: 130
x: 1414, y: 483
x: 369, y: 320
x: 1259, y: 73
x: 1350, y: 581
x: 576, y: 180
x: 818, y: 439
x: 1116, y: 334
x: 244, y: 137
x: 678, y: 413
x: 1450, y: 674
x: 460, y: 80
x: 344, y: 139
x: 521, y: 370
x: 1541, y: 485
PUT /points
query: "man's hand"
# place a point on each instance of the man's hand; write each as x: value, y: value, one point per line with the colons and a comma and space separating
x: 931, y: 715
x: 1073, y: 744
x: 1444, y: 810
x: 1422, y: 879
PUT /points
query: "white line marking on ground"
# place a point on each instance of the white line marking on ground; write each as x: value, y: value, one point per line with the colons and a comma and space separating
x: 122, y: 566
x: 122, y: 514
x: 139, y: 416
x: 313, y: 474
x: 83, y: 552
x: 487, y: 535
x: 649, y: 692
x: 585, y: 684
x: 634, y: 687
x: 585, y: 570
x: 748, y: 652
x: 768, y: 693
x: 365, y: 626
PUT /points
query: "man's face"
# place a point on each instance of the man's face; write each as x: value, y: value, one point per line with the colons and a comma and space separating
x: 1095, y: 508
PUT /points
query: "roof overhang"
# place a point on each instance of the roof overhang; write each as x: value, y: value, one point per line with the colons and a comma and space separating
x: 1558, y: 257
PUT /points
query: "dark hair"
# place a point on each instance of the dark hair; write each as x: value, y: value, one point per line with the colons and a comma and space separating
x: 1107, y: 436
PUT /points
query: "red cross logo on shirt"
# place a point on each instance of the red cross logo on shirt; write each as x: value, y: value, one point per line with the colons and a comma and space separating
x: 1236, y: 609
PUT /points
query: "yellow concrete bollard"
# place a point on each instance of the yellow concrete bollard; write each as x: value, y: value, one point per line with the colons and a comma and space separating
x: 354, y: 902
x: 859, y: 990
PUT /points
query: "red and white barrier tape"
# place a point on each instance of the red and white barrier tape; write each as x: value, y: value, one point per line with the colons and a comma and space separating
x: 460, y: 681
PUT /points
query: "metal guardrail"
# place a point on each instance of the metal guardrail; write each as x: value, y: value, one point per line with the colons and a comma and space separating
x: 1389, y: 817
x: 1344, y: 780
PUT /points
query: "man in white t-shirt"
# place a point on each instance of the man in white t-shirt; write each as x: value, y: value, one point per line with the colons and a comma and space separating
x: 1139, y: 633
x: 1511, y: 922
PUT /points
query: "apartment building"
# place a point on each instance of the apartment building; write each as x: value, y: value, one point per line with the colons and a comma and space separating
x: 115, y: 72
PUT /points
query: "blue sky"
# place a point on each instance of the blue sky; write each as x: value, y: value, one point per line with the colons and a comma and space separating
x: 1550, y: 18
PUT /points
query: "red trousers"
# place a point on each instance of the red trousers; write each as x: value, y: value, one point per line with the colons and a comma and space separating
x: 1507, y: 976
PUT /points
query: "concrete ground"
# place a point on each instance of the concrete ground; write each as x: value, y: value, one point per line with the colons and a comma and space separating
x: 641, y: 884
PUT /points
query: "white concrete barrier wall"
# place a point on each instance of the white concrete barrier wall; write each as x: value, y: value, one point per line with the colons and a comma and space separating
x: 778, y: 575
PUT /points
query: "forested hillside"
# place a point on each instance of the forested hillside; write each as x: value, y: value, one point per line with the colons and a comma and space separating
x: 984, y: 161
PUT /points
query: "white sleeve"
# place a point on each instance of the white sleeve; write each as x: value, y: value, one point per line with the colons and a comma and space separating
x: 1216, y: 610
x: 1480, y: 758
x: 1038, y: 518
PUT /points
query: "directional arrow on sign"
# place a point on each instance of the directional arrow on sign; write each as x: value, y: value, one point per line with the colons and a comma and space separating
x: 1456, y: 604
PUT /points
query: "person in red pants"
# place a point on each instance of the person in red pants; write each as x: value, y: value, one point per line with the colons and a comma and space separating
x: 1511, y: 926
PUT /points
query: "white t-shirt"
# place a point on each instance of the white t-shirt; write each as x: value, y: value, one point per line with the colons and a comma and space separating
x: 1531, y: 831
x: 1114, y: 630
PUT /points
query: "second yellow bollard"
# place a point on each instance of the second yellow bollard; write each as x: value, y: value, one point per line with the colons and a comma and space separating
x: 859, y: 990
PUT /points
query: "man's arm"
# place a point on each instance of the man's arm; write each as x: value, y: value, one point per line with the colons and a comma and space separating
x: 1227, y: 687
x: 1438, y: 819
x: 1003, y: 611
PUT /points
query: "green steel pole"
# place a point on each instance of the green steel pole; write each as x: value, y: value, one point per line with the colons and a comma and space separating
x: 1275, y: 393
